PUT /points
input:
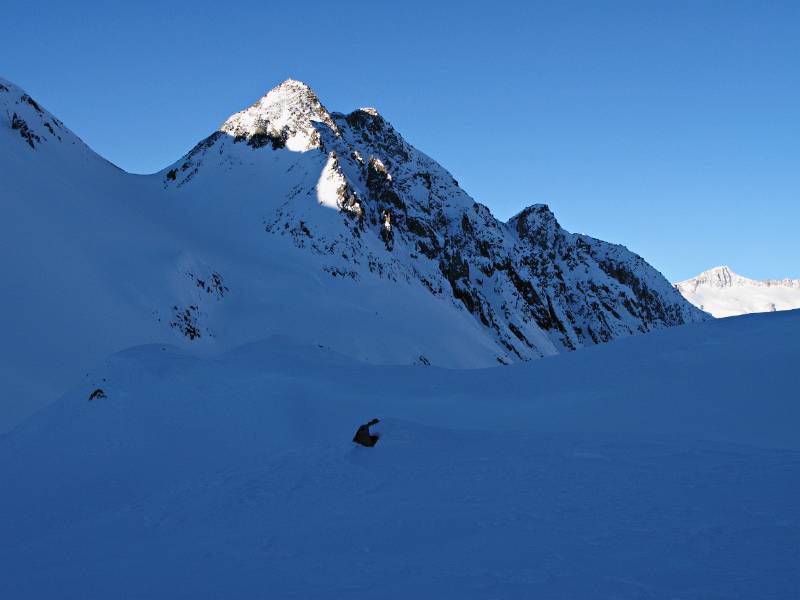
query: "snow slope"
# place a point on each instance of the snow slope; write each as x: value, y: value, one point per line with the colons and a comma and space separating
x: 657, y: 466
x: 328, y: 229
x: 723, y: 293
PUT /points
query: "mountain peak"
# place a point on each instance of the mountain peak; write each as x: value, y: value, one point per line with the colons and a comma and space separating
x: 724, y: 293
x: 288, y: 112
x: 293, y: 86
x: 29, y: 122
x: 718, y: 277
x: 293, y: 82
x: 536, y: 220
x: 720, y: 269
x: 722, y: 276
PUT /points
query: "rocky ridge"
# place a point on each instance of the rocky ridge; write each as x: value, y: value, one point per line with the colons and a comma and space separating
x: 538, y: 288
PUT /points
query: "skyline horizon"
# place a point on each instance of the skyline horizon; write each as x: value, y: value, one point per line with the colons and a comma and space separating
x: 672, y: 130
x: 504, y: 218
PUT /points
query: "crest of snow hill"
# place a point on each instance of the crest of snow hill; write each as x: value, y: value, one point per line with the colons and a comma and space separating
x: 362, y: 206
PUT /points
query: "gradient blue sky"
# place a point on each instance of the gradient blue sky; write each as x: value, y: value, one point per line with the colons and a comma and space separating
x: 670, y: 127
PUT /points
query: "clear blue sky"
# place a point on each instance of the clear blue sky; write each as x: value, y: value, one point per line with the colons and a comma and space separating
x: 671, y: 127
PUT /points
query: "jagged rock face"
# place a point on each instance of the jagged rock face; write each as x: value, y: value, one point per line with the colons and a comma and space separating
x: 536, y: 288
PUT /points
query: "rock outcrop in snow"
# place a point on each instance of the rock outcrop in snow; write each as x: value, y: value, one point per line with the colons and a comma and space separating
x: 297, y: 222
x: 31, y: 122
x: 723, y: 293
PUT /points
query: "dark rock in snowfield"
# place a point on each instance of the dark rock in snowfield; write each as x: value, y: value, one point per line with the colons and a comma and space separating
x: 32, y: 102
x: 29, y: 136
x: 186, y: 321
x: 98, y: 394
x: 363, y: 435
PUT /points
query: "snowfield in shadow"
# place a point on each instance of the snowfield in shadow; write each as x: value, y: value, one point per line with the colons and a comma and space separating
x: 659, y: 466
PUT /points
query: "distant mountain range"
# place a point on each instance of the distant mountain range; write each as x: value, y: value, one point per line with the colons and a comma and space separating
x: 723, y: 293
x: 289, y: 222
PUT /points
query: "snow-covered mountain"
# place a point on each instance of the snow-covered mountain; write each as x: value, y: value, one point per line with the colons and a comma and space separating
x: 222, y: 327
x: 723, y: 293
x: 289, y: 222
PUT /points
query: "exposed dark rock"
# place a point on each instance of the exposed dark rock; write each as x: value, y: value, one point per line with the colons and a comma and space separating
x: 211, y: 284
x: 29, y: 136
x: 32, y: 102
x: 363, y: 435
x: 186, y: 321
x: 264, y: 136
x: 98, y: 394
